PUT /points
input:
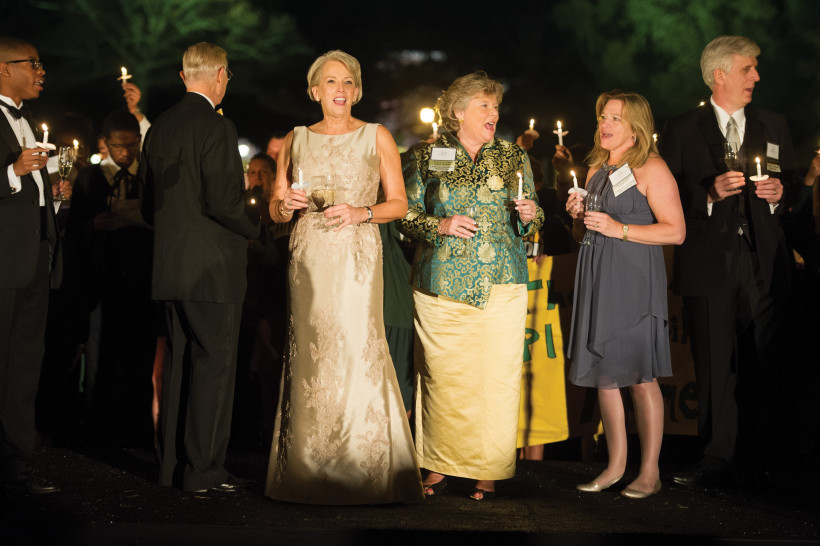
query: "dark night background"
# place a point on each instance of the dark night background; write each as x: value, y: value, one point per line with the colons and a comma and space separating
x: 554, y: 57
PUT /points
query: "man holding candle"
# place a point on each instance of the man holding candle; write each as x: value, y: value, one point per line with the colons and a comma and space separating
x: 29, y: 245
x: 193, y: 194
x: 733, y: 269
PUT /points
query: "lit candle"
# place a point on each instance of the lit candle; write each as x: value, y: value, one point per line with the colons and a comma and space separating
x: 701, y: 103
x: 560, y: 132
x: 435, y: 130
x: 655, y: 137
x: 574, y: 180
x: 532, y: 124
x: 759, y: 174
x: 520, y: 185
x: 76, y: 146
x: 125, y: 75
x: 45, y: 134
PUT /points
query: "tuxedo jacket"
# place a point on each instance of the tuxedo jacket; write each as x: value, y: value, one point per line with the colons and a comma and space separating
x: 692, y: 146
x: 192, y: 191
x: 20, y: 220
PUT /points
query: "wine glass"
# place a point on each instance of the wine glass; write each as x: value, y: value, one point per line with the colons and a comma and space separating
x: 593, y: 203
x: 65, y: 161
x: 323, y: 192
x: 730, y: 156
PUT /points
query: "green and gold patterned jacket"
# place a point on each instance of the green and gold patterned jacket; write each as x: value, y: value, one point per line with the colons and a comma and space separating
x: 461, y: 269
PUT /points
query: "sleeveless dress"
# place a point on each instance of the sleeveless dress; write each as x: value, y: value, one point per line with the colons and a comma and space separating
x: 619, y: 331
x: 341, y: 434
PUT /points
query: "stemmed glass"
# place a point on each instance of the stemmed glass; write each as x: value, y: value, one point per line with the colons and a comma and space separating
x: 65, y: 161
x: 593, y: 203
x: 323, y: 192
x: 730, y: 156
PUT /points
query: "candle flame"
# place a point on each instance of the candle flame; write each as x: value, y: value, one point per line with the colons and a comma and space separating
x: 572, y: 173
x: 559, y: 125
x: 532, y: 123
x: 655, y: 137
x: 124, y: 71
x: 757, y: 159
x: 76, y: 144
x: 701, y: 103
x: 519, y: 174
x: 45, y: 127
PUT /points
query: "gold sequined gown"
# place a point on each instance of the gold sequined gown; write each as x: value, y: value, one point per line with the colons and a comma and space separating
x: 341, y: 433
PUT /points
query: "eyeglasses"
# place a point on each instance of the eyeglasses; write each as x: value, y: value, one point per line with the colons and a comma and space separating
x: 228, y: 73
x: 36, y: 64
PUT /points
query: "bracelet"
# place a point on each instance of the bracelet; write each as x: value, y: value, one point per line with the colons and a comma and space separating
x: 282, y: 209
x: 626, y: 232
x: 369, y: 215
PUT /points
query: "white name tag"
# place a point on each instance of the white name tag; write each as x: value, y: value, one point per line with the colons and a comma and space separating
x: 442, y: 159
x: 772, y: 150
x: 622, y: 180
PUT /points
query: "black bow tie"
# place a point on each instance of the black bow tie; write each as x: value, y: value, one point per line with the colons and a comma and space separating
x: 15, y: 113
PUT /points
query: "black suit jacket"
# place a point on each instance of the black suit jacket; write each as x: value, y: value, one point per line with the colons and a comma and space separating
x: 692, y: 146
x: 20, y: 220
x: 192, y: 185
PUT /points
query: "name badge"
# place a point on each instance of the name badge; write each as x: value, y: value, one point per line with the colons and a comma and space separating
x: 442, y: 159
x: 772, y: 157
x: 622, y: 180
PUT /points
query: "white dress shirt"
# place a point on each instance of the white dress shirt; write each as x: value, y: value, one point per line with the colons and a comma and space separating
x: 26, y: 139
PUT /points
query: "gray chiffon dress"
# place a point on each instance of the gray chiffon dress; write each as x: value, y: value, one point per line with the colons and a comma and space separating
x: 619, y: 333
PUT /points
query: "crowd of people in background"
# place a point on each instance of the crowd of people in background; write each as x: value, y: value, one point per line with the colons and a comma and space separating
x: 176, y: 299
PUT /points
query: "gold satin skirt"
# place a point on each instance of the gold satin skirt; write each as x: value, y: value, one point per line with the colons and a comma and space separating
x: 468, y: 382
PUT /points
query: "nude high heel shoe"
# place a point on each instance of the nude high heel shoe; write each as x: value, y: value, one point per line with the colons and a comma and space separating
x: 595, y: 487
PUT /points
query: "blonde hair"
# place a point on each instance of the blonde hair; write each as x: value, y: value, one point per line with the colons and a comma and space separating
x: 718, y: 54
x: 459, y: 94
x: 202, y: 61
x: 350, y: 62
x: 638, y: 114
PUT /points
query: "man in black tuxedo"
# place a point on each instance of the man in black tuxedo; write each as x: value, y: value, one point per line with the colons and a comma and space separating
x: 30, y: 251
x: 732, y: 270
x: 193, y: 194
x: 115, y: 247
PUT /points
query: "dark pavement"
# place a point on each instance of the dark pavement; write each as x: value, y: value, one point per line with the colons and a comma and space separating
x: 110, y: 496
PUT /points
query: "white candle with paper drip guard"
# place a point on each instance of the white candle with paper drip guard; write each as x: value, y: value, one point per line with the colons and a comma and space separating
x: 561, y: 134
x: 125, y: 75
x: 575, y: 188
x: 520, y: 185
x: 760, y: 176
x: 300, y: 184
x: 44, y: 143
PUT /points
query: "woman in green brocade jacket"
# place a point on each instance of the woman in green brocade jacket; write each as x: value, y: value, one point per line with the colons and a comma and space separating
x: 470, y: 200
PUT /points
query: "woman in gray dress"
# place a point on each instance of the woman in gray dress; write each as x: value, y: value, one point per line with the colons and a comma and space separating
x: 619, y: 332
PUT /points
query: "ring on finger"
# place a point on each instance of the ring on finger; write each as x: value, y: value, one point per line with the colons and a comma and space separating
x: 597, y: 224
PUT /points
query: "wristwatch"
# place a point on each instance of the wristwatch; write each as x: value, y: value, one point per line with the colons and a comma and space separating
x: 369, y: 215
x: 626, y: 232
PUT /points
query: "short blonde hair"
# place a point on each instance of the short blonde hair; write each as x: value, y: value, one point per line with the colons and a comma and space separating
x: 638, y: 114
x: 718, y: 54
x: 350, y: 62
x: 459, y: 94
x: 202, y: 61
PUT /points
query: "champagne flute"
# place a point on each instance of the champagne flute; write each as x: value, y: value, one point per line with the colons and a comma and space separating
x: 65, y: 161
x: 730, y: 156
x: 593, y: 203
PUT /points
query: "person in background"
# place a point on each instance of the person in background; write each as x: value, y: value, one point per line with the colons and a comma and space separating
x: 469, y: 277
x: 114, y: 246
